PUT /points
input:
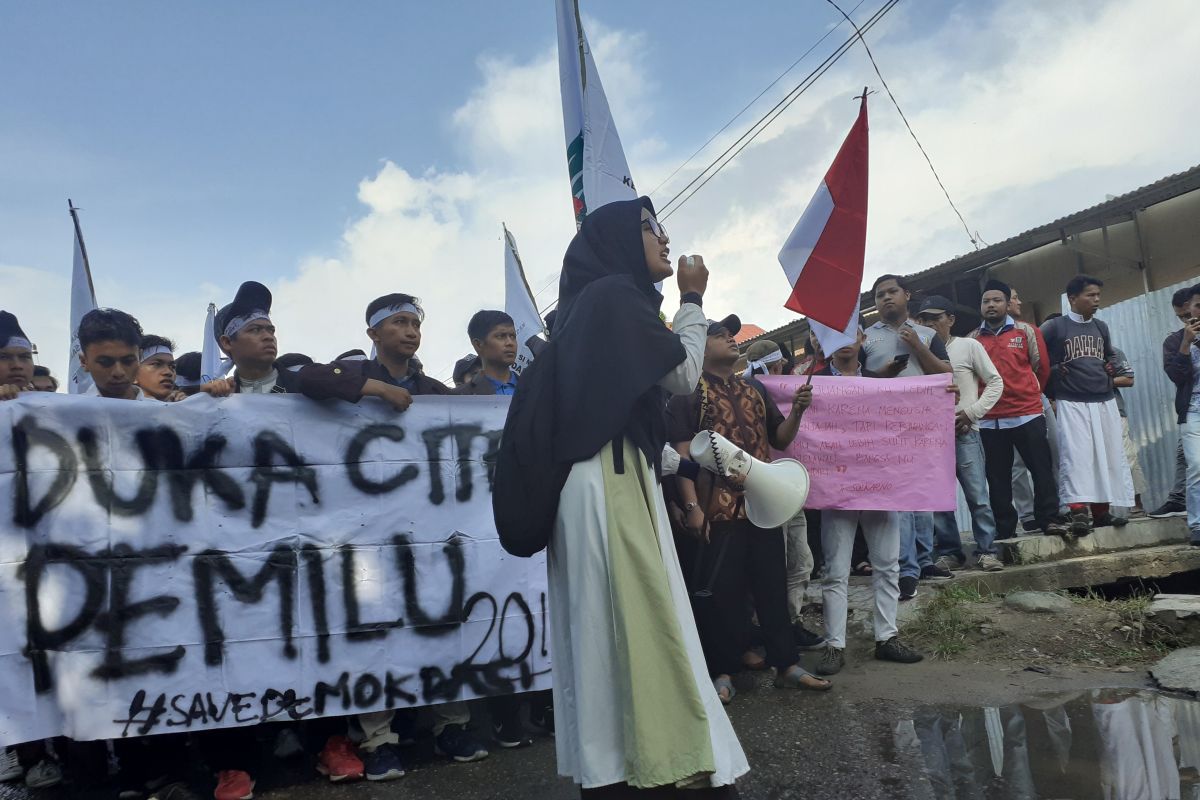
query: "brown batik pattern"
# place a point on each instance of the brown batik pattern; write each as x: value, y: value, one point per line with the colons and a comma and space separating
x: 737, y: 412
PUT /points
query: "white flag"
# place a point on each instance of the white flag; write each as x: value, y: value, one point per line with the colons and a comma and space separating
x: 833, y: 340
x: 595, y: 160
x: 518, y: 303
x: 211, y: 364
x: 83, y: 300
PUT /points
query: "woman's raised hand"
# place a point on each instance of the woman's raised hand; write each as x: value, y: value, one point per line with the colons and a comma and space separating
x: 692, y: 275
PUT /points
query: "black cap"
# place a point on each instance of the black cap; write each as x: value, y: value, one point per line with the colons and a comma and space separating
x: 251, y: 296
x: 349, y: 355
x: 188, y: 366
x: 463, y: 366
x: 10, y: 329
x: 731, y: 324
x: 292, y: 361
x: 935, y: 304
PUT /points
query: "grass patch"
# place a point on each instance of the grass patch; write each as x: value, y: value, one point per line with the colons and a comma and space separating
x: 944, y: 623
x: 1129, y: 609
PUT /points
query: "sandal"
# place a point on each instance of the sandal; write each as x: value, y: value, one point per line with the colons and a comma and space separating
x: 863, y: 568
x: 797, y: 678
x: 724, y: 684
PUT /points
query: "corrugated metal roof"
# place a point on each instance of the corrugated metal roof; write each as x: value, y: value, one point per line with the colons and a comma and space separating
x: 1087, y: 219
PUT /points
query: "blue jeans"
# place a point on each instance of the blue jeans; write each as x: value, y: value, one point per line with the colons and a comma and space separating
x: 916, y: 542
x: 1191, y: 450
x: 972, y: 477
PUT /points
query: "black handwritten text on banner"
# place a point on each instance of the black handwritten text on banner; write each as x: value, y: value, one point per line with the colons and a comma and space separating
x: 175, y: 567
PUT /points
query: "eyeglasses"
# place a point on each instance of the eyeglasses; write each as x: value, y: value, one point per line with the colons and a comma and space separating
x: 654, y: 227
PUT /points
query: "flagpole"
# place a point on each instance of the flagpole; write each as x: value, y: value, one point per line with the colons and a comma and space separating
x: 87, y: 267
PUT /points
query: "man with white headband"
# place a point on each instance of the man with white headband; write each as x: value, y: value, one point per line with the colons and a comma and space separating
x: 394, y: 327
x: 156, y: 373
x: 16, y: 358
x: 246, y: 334
x: 763, y: 358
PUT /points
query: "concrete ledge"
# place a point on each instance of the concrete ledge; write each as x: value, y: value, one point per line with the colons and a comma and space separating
x: 1090, y: 570
x: 1180, y: 613
x: 1137, y: 534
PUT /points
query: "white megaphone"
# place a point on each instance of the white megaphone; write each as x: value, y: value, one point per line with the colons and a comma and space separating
x: 774, y: 492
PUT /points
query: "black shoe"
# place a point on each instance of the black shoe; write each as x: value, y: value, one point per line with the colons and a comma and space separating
x: 832, y: 661
x: 510, y: 734
x: 805, y: 639
x: 1058, y: 526
x: 1107, y: 519
x: 935, y: 573
x: 1031, y: 526
x: 542, y: 719
x: 908, y: 588
x: 1169, y: 509
x: 895, y: 650
x: 1081, y: 522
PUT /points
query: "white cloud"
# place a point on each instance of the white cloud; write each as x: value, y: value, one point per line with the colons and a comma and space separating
x: 1029, y: 110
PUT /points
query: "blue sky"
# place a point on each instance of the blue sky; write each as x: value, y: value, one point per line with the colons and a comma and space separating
x: 340, y: 152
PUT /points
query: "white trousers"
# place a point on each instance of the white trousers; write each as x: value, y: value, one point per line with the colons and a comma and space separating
x: 799, y: 563
x: 882, y: 532
x: 1091, y: 455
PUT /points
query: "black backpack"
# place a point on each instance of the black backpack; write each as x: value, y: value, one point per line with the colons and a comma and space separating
x: 528, y: 480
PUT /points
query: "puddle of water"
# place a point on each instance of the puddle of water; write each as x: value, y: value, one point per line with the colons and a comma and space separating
x: 1101, y: 744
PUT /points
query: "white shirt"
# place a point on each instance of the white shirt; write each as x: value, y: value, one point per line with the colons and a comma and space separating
x: 260, y: 386
x: 972, y: 366
x: 92, y: 391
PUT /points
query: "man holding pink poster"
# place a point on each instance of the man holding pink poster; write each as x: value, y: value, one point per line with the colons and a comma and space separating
x: 870, y: 445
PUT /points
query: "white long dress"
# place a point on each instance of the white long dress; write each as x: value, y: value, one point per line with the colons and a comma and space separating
x: 633, y: 702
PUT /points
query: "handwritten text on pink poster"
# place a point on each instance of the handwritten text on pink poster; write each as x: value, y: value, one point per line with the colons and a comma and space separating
x: 873, y: 443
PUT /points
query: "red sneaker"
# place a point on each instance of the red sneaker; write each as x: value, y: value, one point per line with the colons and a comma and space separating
x: 338, y: 761
x: 233, y: 784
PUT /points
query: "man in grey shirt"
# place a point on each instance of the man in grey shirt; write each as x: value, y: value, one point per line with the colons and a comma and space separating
x: 898, y: 347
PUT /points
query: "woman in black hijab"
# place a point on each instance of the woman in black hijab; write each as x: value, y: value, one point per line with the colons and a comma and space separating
x: 634, y: 708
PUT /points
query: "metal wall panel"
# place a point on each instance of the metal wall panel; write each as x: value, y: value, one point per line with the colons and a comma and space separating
x: 1138, y: 327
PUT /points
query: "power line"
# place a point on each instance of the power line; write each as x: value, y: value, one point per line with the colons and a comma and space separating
x: 725, y: 127
x: 757, y: 97
x: 911, y: 133
x: 720, y: 162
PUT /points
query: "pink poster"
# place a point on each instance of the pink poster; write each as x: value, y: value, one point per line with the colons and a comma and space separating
x: 872, y: 443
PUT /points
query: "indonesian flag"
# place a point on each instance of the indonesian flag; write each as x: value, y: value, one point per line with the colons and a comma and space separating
x: 823, y: 256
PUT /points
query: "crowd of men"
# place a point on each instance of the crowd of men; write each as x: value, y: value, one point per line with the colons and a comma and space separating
x: 1042, y: 446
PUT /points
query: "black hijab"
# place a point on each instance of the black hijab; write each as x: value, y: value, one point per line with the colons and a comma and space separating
x: 594, y: 382
x: 612, y: 347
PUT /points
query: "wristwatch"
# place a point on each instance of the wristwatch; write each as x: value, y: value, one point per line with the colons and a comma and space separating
x: 687, y: 507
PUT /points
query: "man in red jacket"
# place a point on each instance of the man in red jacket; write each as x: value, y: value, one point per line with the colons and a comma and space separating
x: 1016, y: 422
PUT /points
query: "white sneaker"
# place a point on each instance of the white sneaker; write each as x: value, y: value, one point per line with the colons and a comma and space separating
x: 989, y: 563
x: 43, y: 774
x: 10, y: 767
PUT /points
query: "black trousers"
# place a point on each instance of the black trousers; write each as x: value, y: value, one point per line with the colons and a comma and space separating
x: 1030, y: 441
x: 739, y: 561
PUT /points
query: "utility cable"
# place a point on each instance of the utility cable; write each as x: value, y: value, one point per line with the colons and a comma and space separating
x: 911, y: 132
x: 720, y: 162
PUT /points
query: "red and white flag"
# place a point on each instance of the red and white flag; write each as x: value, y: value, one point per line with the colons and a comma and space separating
x: 823, y: 256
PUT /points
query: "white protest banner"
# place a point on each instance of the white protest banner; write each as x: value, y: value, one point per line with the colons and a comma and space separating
x: 210, y: 563
x: 874, y: 443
